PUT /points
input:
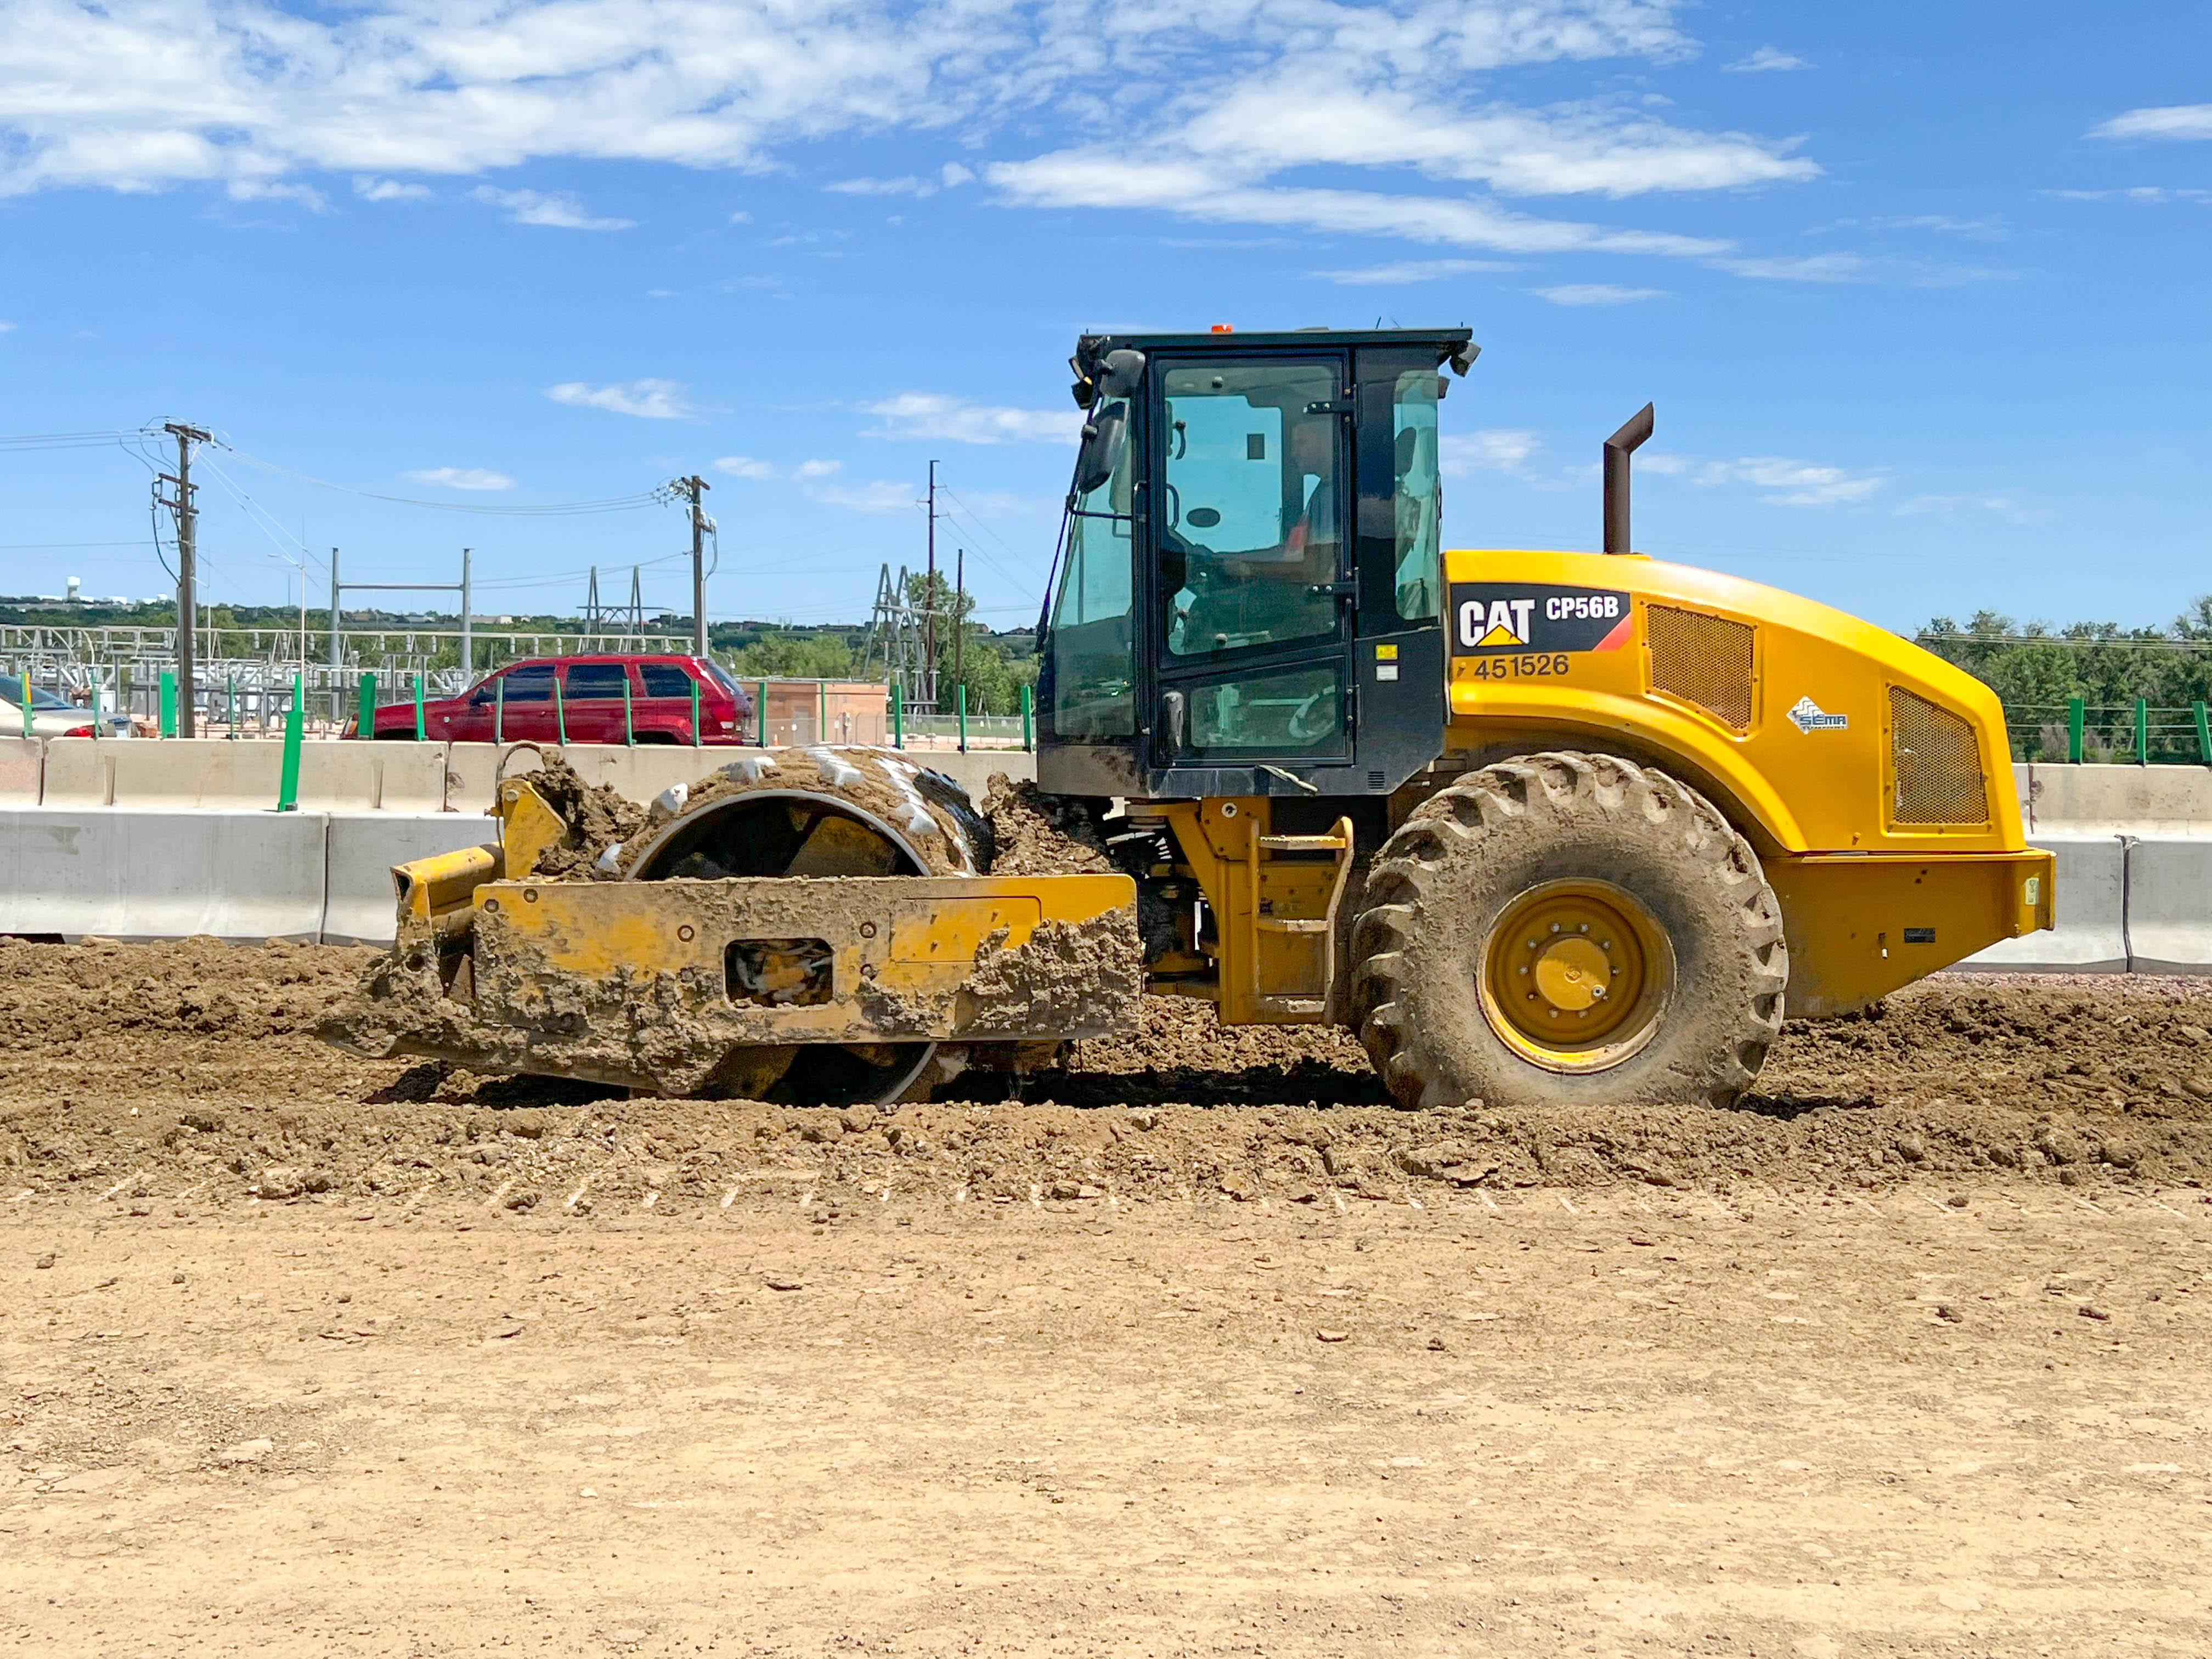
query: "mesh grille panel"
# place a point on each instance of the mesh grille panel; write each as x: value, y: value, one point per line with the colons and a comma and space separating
x: 1702, y: 660
x: 1938, y: 763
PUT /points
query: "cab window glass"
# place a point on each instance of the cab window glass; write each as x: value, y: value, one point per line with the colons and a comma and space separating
x: 532, y: 683
x: 1252, y: 508
x: 1093, y: 647
x: 1417, y: 495
x: 595, y: 679
x: 1296, y: 711
x: 665, y: 679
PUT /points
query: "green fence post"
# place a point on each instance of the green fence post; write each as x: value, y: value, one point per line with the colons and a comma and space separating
x: 364, y: 706
x: 168, y: 702
x: 2143, y: 731
x: 760, y: 688
x: 820, y: 711
x: 960, y: 709
x: 2204, y: 734
x: 25, y: 688
x: 95, y: 702
x: 2077, y: 719
x: 629, y: 719
x: 422, y: 714
x: 1028, y: 718
x: 499, y: 709
x: 560, y: 712
x: 287, y: 783
x: 696, y: 738
x: 898, y: 718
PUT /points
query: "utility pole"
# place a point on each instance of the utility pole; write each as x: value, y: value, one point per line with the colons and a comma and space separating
x: 959, y: 625
x: 692, y: 488
x: 468, y: 645
x: 929, y: 602
x: 338, y: 649
x: 187, y: 517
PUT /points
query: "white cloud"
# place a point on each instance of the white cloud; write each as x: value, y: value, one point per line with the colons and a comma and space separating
x: 1766, y: 60
x: 649, y: 399
x: 1787, y: 483
x: 558, y: 208
x: 1496, y: 449
x: 6, y: 328
x: 747, y: 466
x: 1415, y: 270
x: 2004, y: 505
x: 880, y: 496
x: 936, y: 415
x: 1094, y: 179
x: 1596, y: 293
x: 2134, y: 193
x: 388, y: 189
x: 2170, y: 121
x: 947, y: 177
x: 1215, y: 108
x: 270, y: 189
x: 1806, y: 268
x: 461, y: 478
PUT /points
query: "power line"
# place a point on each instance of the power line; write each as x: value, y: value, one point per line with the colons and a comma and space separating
x: 36, y: 440
x: 612, y: 504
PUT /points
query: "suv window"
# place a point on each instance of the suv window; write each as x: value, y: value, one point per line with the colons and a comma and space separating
x: 531, y: 683
x: 596, y: 679
x: 722, y: 678
x: 665, y: 679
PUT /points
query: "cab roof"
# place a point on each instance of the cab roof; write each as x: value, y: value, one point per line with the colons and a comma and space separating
x: 1446, y: 340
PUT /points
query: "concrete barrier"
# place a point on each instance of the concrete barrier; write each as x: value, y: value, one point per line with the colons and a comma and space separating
x: 2169, y: 905
x: 243, y: 775
x: 2089, y: 936
x: 2167, y: 801
x: 358, y: 904
x: 131, y: 875
x: 22, y: 771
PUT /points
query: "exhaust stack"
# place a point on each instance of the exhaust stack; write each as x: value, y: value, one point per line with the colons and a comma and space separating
x: 1618, y: 448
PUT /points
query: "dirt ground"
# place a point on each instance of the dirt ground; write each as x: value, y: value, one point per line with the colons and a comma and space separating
x: 1196, y: 1347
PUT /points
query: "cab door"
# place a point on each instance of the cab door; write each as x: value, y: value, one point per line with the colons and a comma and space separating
x: 1251, y: 588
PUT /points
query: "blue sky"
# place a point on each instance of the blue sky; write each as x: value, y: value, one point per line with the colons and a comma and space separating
x: 1919, y: 290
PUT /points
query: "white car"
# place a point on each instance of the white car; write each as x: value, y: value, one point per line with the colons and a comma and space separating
x: 53, y: 716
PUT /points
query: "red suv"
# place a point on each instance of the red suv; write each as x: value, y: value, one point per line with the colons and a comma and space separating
x: 518, y: 702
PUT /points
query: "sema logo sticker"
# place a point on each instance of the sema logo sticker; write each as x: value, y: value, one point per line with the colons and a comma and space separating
x: 1489, y: 617
x: 1809, y: 717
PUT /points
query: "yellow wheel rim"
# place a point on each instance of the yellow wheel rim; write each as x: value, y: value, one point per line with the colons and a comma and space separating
x: 1576, y: 975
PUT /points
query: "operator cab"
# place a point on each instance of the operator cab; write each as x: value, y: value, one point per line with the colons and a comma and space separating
x: 1249, y: 600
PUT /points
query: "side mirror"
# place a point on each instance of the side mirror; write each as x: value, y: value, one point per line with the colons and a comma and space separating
x: 1104, y: 436
x: 1119, y: 374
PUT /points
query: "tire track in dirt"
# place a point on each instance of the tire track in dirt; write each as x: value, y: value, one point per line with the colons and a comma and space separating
x: 150, y: 1074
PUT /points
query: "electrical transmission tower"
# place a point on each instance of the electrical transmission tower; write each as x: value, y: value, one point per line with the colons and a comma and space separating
x: 895, y: 643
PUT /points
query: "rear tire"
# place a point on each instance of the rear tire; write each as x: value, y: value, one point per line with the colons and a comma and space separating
x: 1565, y: 929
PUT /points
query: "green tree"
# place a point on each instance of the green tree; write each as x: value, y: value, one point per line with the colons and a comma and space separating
x: 2035, y: 672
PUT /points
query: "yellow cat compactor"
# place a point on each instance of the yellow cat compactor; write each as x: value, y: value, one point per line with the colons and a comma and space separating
x: 1541, y: 828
